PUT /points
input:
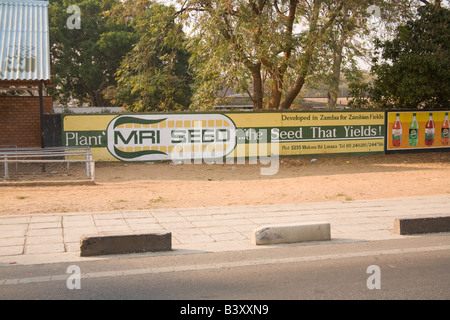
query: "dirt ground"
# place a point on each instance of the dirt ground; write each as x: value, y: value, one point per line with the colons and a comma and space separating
x: 121, y: 186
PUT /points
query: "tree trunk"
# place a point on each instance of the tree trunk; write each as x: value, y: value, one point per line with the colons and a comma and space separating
x: 299, y: 82
x: 92, y: 99
x: 257, y: 87
x: 316, y: 35
x: 100, y: 101
x: 333, y: 90
x: 276, y: 91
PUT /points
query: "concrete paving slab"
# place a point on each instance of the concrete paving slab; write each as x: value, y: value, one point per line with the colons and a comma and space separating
x: 44, y: 232
x: 207, y: 229
x: 110, y: 222
x: 143, y: 227
x: 140, y: 220
x: 45, y: 248
x: 19, y: 241
x: 113, y: 228
x: 44, y: 240
x: 79, y: 230
x: 79, y: 217
x: 12, y: 250
x: 6, y: 220
x: 46, y: 218
x: 5, y: 234
x: 78, y: 223
x: 194, y: 239
x: 228, y: 236
x: 170, y: 219
x: 44, y: 225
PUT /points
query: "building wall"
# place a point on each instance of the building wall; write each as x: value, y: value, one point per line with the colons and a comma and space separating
x: 20, y: 120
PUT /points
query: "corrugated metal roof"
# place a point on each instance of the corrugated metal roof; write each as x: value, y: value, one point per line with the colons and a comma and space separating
x: 24, y: 40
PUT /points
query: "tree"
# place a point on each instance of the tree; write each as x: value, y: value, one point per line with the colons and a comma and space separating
x: 350, y: 40
x: 338, y: 50
x: 155, y: 74
x: 414, y: 68
x: 265, y: 47
x: 85, y: 60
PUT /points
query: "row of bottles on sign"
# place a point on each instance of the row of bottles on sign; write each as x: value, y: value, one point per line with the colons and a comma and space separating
x: 430, y: 129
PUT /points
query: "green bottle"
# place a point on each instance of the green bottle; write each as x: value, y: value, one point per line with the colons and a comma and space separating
x: 413, y: 132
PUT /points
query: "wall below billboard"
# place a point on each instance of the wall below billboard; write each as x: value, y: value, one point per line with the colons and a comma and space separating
x: 153, y: 137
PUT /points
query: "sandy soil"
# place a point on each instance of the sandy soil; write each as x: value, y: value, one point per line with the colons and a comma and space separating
x: 164, y: 185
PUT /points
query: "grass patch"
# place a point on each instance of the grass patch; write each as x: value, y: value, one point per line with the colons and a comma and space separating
x: 341, y: 194
x: 157, y: 200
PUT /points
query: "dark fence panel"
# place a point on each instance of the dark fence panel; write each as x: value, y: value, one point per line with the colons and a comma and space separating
x: 52, y: 130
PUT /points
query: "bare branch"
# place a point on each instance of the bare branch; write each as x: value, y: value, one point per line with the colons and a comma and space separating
x: 280, y: 14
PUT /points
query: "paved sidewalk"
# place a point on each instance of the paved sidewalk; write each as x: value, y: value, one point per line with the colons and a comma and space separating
x: 44, y: 238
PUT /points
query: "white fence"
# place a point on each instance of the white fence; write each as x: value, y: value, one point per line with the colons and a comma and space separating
x: 64, y: 163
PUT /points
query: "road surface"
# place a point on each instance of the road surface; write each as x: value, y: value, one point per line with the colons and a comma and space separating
x: 411, y: 268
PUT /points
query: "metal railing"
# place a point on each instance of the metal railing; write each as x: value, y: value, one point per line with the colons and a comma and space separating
x: 9, y: 147
x: 60, y: 155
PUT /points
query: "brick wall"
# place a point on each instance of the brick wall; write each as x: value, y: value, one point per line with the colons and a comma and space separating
x: 20, y: 120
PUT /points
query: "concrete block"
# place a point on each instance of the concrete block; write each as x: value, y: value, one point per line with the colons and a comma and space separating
x: 292, y: 233
x: 101, y: 244
x: 419, y: 225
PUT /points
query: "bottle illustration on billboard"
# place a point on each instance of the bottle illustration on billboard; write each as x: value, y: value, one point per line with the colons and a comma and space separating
x: 413, y: 132
x: 429, y: 131
x: 445, y: 131
x: 397, y: 132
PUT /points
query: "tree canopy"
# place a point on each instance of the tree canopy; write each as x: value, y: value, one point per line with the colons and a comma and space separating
x: 155, y: 74
x: 85, y: 59
x: 135, y: 53
x: 267, y: 46
x: 414, y: 68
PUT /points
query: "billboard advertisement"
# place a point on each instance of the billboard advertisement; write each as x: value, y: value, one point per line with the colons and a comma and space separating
x: 417, y: 130
x: 169, y: 136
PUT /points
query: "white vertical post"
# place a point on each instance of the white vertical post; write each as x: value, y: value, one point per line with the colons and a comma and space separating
x: 6, y: 168
x: 88, y: 165
x: 92, y: 163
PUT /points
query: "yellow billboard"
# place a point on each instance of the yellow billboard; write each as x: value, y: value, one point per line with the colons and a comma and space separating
x: 153, y: 137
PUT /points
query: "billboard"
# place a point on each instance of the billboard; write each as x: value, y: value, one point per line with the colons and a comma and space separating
x: 169, y: 136
x: 417, y: 130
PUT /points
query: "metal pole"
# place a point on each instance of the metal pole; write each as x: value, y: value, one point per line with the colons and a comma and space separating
x: 92, y: 167
x: 41, y: 112
x: 6, y: 168
x: 17, y: 164
x: 88, y: 165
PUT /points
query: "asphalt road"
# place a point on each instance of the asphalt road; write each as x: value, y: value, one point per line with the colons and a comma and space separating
x: 411, y: 268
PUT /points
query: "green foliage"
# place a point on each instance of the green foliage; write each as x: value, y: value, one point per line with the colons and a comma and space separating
x: 358, y: 93
x: 84, y: 60
x: 154, y: 75
x: 261, y: 46
x: 222, y: 45
x: 339, y: 49
x: 134, y: 53
x: 414, y: 69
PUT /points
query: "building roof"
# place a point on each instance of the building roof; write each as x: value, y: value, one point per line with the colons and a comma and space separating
x: 24, y: 40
